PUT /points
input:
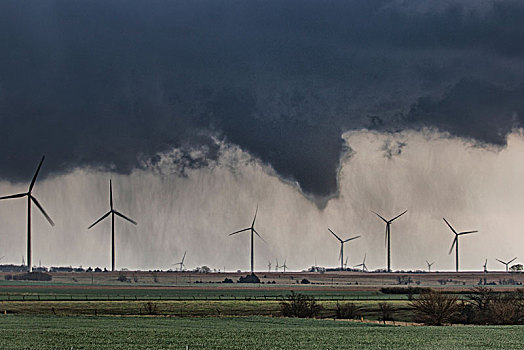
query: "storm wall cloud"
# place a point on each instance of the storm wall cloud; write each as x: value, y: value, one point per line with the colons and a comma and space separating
x: 107, y: 84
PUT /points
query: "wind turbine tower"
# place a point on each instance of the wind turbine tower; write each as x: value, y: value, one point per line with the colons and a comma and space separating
x: 485, y: 266
x: 253, y: 232
x: 388, y: 234
x: 341, y: 256
x: 112, y: 212
x: 456, y: 243
x: 31, y: 198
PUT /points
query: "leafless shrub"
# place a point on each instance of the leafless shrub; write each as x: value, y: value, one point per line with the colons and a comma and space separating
x: 348, y: 311
x: 435, y: 308
x: 300, y: 305
x: 386, y: 311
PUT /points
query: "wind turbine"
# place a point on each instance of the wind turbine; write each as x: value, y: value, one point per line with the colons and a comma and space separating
x: 456, y: 243
x: 181, y: 263
x: 284, y: 266
x: 342, y: 247
x: 269, y: 266
x: 112, y: 212
x: 31, y: 198
x: 485, y: 266
x: 346, y: 263
x: 253, y: 232
x: 506, y: 263
x: 429, y: 265
x: 388, y: 234
x: 364, y: 267
x: 276, y: 266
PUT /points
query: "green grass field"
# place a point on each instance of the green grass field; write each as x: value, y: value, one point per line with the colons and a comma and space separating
x: 51, y: 332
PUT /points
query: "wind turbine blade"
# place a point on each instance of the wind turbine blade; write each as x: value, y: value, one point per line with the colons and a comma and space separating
x: 452, y: 229
x: 334, y: 234
x: 350, y: 239
x: 452, y: 245
x: 399, y: 215
x: 500, y: 261
x: 36, y: 174
x: 110, y: 194
x: 466, y: 232
x: 340, y: 253
x: 259, y: 236
x: 346, y: 260
x: 125, y: 217
x: 427, y: 262
x: 386, y: 237
x: 358, y: 265
x: 234, y: 233
x: 184, y: 257
x: 42, y: 210
x: 256, y: 211
x: 364, y: 258
x: 18, y: 195
x: 102, y: 218
x: 509, y: 262
x: 379, y: 216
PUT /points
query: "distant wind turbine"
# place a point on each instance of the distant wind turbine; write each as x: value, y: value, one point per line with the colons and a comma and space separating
x: 253, y: 232
x: 364, y: 267
x: 388, y: 234
x: 485, y: 266
x: 276, y: 266
x: 346, y: 263
x: 284, y: 266
x: 456, y: 243
x: 429, y: 265
x: 269, y: 266
x: 341, y: 256
x: 31, y: 198
x: 181, y: 263
x: 506, y: 263
x: 112, y: 212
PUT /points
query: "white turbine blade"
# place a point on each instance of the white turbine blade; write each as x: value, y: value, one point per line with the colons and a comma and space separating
x: 36, y: 174
x: 509, y: 262
x: 451, y: 227
x: 18, y: 195
x: 42, y: 210
x: 110, y: 194
x: 183, y: 257
x: 379, y: 216
x: 466, y: 232
x: 256, y: 211
x: 234, y: 233
x: 102, y: 218
x: 452, y: 245
x: 350, y: 239
x: 399, y: 215
x: 386, y: 237
x: 334, y: 234
x: 500, y: 261
x: 358, y: 265
x: 125, y: 217
x: 259, y: 236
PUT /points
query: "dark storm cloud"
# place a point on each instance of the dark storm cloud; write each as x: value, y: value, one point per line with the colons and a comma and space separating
x: 103, y: 84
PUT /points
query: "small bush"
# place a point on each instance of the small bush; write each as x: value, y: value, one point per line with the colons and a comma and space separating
x: 33, y: 276
x: 386, y: 311
x: 305, y: 281
x: 252, y: 278
x: 300, y: 305
x: 404, y: 290
x: 150, y: 308
x: 122, y: 278
x: 435, y: 308
x: 227, y: 280
x: 348, y: 311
